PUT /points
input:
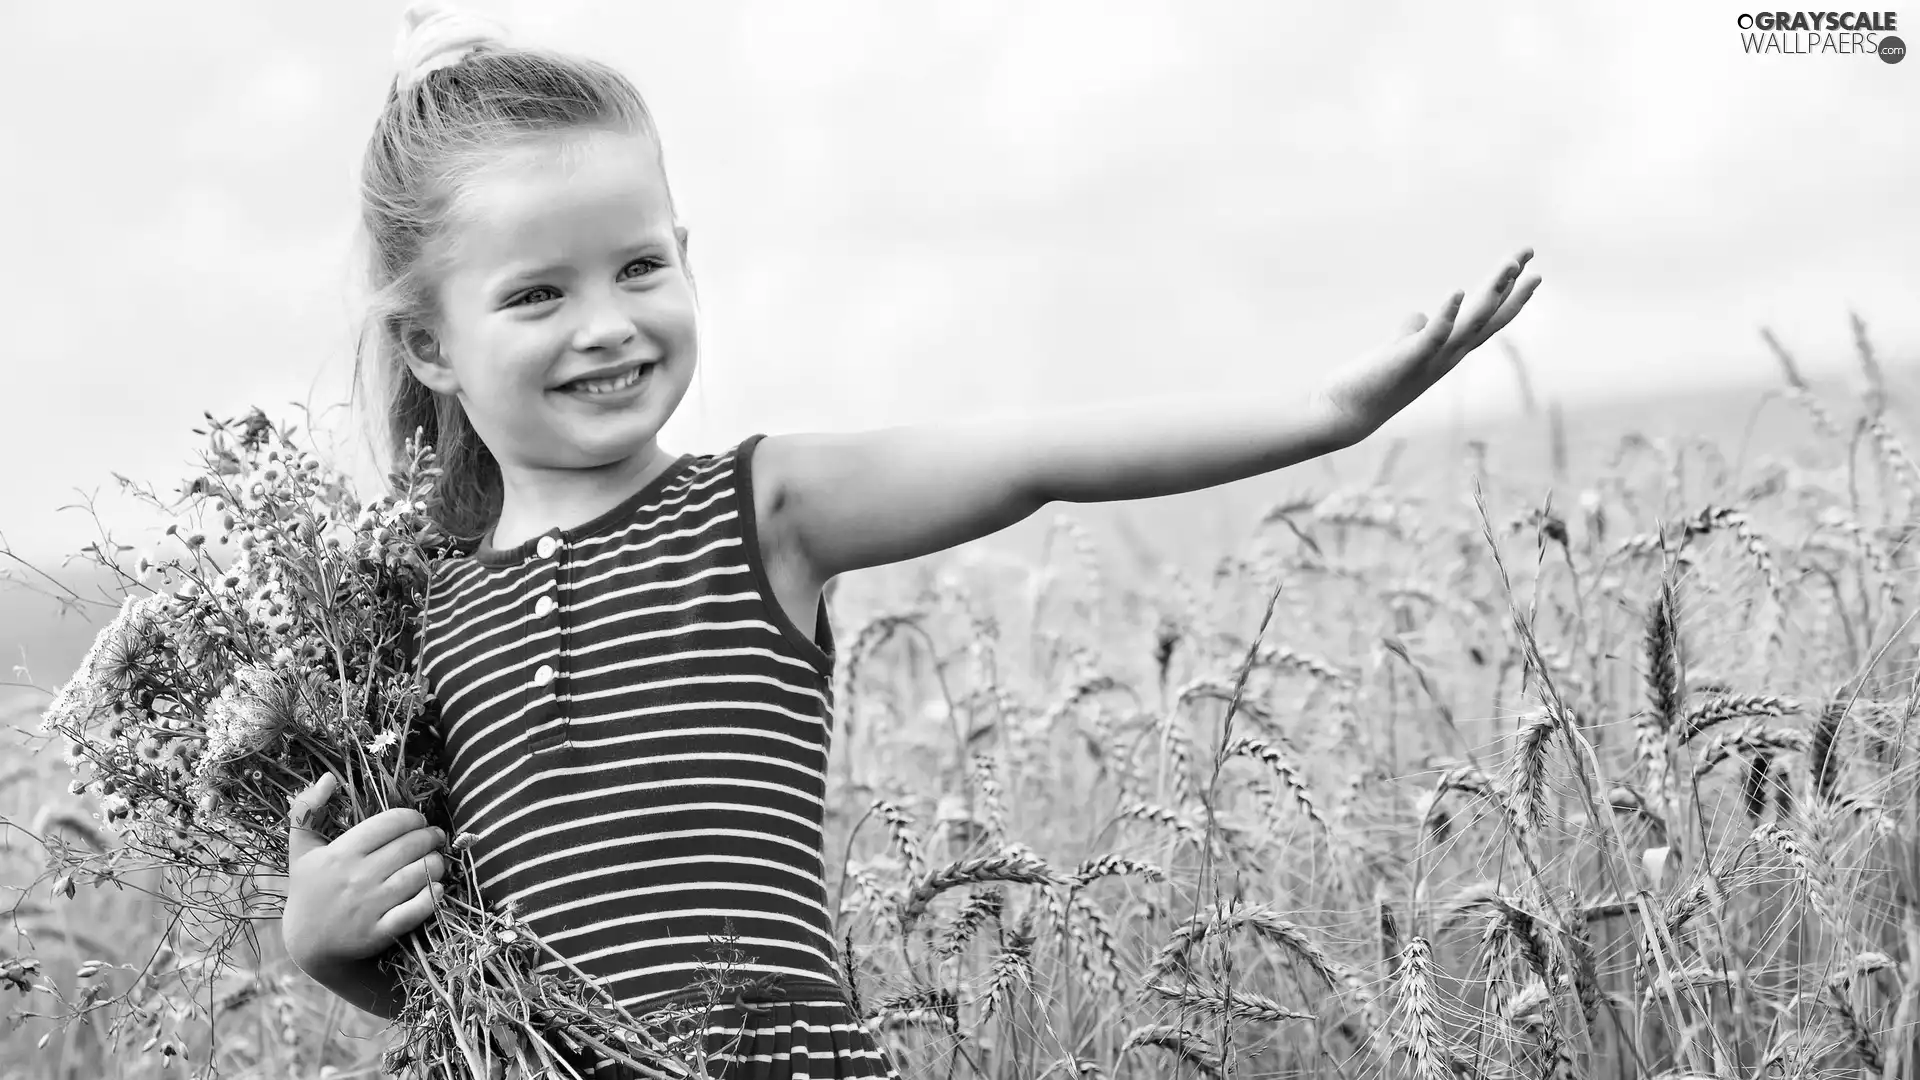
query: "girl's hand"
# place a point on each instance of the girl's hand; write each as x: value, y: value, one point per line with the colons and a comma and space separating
x: 350, y: 899
x: 1367, y: 392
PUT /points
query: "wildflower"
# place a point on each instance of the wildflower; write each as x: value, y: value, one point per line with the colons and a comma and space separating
x: 383, y: 742
x: 74, y: 707
x: 190, y: 643
x: 151, y: 751
x: 77, y: 787
x: 180, y: 758
x: 248, y: 716
x: 226, y: 728
x: 116, y: 807
x: 16, y: 974
x: 141, y: 621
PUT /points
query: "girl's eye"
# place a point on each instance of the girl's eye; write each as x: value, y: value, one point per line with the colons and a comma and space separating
x: 648, y: 265
x: 535, y: 295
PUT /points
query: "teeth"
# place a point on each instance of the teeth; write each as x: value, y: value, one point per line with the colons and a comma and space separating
x: 608, y: 386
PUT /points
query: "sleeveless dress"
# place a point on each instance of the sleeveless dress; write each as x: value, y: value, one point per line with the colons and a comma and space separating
x: 637, y: 737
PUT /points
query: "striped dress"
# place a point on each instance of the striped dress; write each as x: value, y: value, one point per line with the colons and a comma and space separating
x: 637, y: 737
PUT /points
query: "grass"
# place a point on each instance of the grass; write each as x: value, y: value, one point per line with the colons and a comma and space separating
x: 1610, y: 773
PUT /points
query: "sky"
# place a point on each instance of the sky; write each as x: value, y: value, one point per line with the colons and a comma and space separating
x: 915, y: 212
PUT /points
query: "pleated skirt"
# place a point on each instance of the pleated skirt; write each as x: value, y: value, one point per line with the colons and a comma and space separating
x: 793, y: 1040
x: 784, y: 1040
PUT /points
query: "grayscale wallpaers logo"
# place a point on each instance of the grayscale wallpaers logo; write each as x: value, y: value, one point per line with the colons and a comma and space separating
x: 1807, y: 33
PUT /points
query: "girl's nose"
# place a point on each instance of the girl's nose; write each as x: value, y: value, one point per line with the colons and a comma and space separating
x: 606, y: 326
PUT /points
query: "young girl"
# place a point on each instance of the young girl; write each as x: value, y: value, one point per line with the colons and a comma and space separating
x: 630, y: 660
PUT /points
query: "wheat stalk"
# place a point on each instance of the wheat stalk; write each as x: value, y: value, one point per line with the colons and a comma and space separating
x: 1265, y: 924
x: 1824, y: 754
x: 1420, y: 1033
x: 1013, y: 865
x: 900, y: 831
x: 974, y: 914
x: 1105, y: 866
x: 1104, y: 944
x: 1807, y: 869
x: 1527, y: 776
x: 1184, y: 1043
x: 1160, y: 815
x: 1288, y: 773
x: 1721, y: 708
x: 1234, y: 1004
x: 1012, y: 965
x: 1861, y: 1039
x: 1752, y: 738
x: 1797, y: 388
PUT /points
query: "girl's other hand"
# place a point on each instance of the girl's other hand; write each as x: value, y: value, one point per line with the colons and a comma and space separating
x: 350, y: 899
x: 1370, y: 390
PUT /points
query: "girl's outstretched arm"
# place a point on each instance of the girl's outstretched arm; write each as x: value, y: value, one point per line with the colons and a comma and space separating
x: 844, y: 502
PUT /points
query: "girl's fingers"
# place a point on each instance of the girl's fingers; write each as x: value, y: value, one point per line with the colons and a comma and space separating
x: 1441, y: 328
x: 413, y: 877
x: 1489, y: 301
x: 1516, y: 300
x: 301, y: 813
x: 405, y: 916
x: 381, y: 829
x: 405, y: 850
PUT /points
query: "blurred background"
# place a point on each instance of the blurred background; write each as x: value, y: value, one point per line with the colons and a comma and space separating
x: 908, y: 212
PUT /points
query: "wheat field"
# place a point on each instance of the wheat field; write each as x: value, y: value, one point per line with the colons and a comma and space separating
x: 1578, y: 769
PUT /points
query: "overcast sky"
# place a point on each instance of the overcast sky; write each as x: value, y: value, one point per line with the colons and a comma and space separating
x: 904, y: 211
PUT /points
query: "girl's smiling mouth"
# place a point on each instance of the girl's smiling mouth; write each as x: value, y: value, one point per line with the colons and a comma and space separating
x: 620, y: 382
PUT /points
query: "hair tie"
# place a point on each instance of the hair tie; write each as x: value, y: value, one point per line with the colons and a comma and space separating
x: 435, y: 35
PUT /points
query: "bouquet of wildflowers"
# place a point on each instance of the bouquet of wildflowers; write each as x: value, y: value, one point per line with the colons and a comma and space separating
x: 276, y: 649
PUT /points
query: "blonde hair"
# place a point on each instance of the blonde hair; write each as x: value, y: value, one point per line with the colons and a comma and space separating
x: 462, y: 94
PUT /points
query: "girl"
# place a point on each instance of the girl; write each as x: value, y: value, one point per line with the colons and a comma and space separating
x: 630, y: 660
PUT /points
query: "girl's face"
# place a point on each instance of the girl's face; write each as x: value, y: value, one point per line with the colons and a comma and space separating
x: 567, y: 314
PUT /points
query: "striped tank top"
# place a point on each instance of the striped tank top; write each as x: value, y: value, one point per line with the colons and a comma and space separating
x: 636, y: 735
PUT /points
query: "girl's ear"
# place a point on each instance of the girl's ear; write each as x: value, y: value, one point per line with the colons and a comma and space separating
x: 422, y: 351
